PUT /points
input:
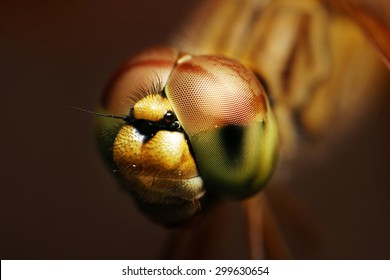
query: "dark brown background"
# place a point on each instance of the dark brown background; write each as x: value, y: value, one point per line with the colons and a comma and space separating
x: 57, y: 199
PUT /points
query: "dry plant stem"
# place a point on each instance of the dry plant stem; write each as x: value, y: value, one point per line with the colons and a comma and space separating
x: 276, y: 244
x: 265, y: 238
x: 253, y: 210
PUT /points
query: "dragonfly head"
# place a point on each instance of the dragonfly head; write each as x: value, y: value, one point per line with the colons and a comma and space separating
x: 193, y: 126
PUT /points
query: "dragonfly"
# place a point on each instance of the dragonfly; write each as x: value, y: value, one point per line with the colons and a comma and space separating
x: 226, y: 108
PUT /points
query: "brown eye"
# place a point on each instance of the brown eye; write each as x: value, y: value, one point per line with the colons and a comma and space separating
x: 169, y: 117
x: 224, y: 112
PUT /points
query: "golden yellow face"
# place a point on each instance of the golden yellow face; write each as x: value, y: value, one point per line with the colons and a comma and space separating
x: 192, y: 128
x: 152, y: 149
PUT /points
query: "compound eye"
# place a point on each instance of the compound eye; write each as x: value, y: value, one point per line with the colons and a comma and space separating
x: 225, y: 113
x: 141, y: 75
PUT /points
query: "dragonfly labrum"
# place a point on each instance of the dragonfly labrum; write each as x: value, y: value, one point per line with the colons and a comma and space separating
x: 231, y: 102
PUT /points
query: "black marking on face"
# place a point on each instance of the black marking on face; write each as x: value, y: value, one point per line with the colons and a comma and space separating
x: 146, y: 127
x: 149, y: 128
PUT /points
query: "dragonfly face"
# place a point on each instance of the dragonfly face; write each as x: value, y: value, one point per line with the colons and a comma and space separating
x: 192, y: 127
x: 197, y: 127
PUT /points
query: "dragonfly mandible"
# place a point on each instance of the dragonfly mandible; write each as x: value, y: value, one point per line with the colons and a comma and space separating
x: 232, y: 101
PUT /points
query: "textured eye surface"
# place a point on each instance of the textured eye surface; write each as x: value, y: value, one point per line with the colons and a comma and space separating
x: 145, y: 73
x: 210, y: 91
x: 224, y: 111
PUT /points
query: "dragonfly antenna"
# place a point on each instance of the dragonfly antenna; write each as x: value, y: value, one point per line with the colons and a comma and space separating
x: 98, y: 114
